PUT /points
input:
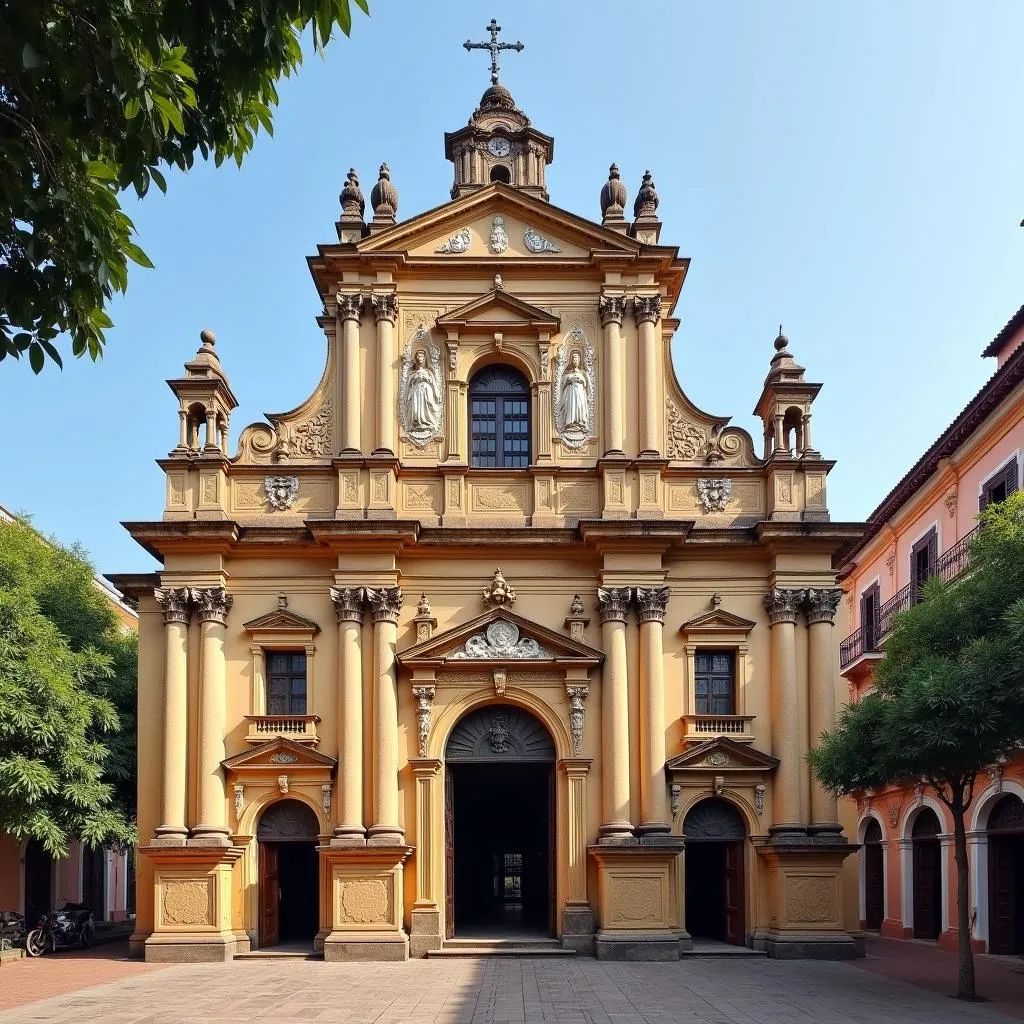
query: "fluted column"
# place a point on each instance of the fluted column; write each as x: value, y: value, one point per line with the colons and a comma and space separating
x: 349, y: 605
x: 782, y: 606
x: 651, y: 603
x: 212, y: 605
x: 177, y: 608
x: 820, y: 609
x: 647, y: 313
x: 613, y: 605
x: 385, y: 604
x: 611, y: 309
x: 385, y: 310
x: 350, y: 309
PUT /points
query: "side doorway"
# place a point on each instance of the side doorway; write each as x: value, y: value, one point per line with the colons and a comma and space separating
x: 874, y: 877
x: 287, y: 834
x: 714, y: 882
x: 1006, y: 876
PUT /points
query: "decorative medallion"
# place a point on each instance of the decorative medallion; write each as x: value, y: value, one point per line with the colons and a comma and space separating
x: 421, y: 390
x: 283, y: 758
x: 498, y: 240
x: 500, y: 640
x: 714, y: 494
x: 499, y: 594
x: 717, y: 759
x: 281, y: 491
x: 536, y: 242
x: 575, y: 390
x: 459, y: 242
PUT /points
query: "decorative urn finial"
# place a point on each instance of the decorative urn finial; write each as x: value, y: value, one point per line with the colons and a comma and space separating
x: 384, y: 197
x: 613, y: 194
x: 781, y: 341
x: 646, y: 204
x: 352, y: 202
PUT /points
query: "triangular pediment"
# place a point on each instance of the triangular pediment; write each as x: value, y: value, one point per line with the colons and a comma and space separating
x: 718, y: 620
x: 499, y: 308
x: 278, y: 755
x: 570, y: 236
x: 722, y: 755
x: 280, y: 620
x: 499, y: 636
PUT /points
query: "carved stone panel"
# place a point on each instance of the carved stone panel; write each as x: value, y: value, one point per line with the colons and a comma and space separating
x: 186, y: 902
x: 811, y: 899
x: 365, y: 900
x: 636, y: 900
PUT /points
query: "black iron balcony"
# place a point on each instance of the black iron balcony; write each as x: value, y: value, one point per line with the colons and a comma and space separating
x: 866, y: 640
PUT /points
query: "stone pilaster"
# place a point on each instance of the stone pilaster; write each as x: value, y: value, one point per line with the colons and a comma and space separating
x: 647, y: 313
x: 611, y: 309
x: 613, y: 606
x: 820, y: 609
x: 385, y: 604
x: 177, y: 608
x: 651, y: 603
x: 349, y: 605
x: 385, y: 311
x: 783, y: 605
x: 350, y: 311
x: 212, y: 606
x: 577, y: 915
x: 425, y: 918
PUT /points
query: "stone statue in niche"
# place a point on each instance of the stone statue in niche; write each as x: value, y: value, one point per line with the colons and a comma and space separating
x: 575, y: 386
x: 499, y: 236
x: 421, y: 389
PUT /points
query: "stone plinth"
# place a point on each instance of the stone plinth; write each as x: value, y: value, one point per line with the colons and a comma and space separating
x: 366, y: 907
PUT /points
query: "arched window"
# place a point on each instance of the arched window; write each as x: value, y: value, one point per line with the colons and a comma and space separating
x: 499, y: 172
x: 499, y: 419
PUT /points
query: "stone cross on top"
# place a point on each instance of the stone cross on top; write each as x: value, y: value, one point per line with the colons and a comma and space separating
x: 495, y: 47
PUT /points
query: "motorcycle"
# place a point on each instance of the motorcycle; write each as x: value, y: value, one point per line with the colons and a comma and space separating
x: 71, y: 926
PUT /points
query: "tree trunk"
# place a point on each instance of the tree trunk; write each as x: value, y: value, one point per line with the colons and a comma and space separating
x: 965, y: 973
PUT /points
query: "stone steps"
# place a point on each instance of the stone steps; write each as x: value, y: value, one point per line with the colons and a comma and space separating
x: 501, y: 947
x: 279, y: 954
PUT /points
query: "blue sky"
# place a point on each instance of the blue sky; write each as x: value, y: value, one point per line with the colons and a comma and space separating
x: 852, y: 170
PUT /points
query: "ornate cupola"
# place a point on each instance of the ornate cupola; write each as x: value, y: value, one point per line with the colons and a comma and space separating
x: 498, y: 144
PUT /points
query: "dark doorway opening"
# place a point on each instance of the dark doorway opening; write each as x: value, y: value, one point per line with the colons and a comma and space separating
x: 927, y: 875
x: 874, y: 877
x: 502, y: 847
x: 714, y: 878
x: 289, y: 874
x: 94, y: 880
x: 38, y: 882
x: 1006, y: 876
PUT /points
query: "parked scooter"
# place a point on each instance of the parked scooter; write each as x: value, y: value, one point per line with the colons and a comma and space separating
x: 72, y: 925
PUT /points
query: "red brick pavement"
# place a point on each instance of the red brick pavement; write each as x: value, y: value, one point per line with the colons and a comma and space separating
x: 25, y: 981
x: 999, y: 979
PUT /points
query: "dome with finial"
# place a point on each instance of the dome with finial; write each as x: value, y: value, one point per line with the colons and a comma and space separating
x: 384, y: 197
x: 613, y: 194
x: 646, y: 204
x: 497, y: 97
x: 352, y: 202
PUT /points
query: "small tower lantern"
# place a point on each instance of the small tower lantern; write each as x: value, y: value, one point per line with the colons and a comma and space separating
x: 785, y: 407
x: 205, y: 402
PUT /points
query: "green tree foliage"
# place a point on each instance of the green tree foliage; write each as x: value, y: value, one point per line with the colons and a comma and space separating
x: 97, y: 96
x: 68, y: 680
x: 948, y: 698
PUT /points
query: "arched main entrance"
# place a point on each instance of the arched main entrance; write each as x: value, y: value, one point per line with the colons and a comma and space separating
x: 715, y: 839
x: 874, y: 877
x: 927, y: 879
x: 499, y: 824
x: 289, y: 877
x: 1006, y: 876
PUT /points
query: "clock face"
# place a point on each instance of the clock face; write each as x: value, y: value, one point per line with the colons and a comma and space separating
x: 499, y: 147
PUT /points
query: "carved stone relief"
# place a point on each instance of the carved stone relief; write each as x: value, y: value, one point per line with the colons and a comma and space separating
x: 686, y: 440
x: 186, y: 902
x: 281, y: 491
x: 575, y: 391
x: 364, y: 900
x: 714, y: 493
x: 577, y: 695
x: 498, y: 240
x: 536, y: 242
x: 421, y: 390
x: 499, y: 732
x: 458, y: 243
x: 810, y: 900
x: 636, y: 900
x: 424, y: 711
x: 500, y: 640
x: 312, y: 439
x: 498, y: 593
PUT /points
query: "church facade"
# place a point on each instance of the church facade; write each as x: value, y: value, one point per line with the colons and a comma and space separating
x: 496, y: 634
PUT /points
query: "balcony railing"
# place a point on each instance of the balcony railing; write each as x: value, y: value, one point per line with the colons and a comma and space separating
x: 300, y: 728
x: 707, y: 727
x: 948, y: 566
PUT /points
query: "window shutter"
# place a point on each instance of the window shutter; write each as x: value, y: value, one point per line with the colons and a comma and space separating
x: 983, y: 500
x: 933, y: 551
x: 1010, y: 477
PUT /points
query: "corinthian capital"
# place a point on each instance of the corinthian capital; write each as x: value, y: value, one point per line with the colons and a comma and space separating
x: 782, y: 604
x: 175, y: 602
x: 650, y: 603
x: 611, y: 309
x: 821, y: 605
x: 385, y: 307
x: 646, y: 309
x: 212, y: 603
x: 613, y: 603
x: 385, y: 603
x: 350, y: 306
x: 349, y: 603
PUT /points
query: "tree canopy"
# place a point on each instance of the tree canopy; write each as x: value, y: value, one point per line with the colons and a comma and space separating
x: 98, y: 96
x: 68, y: 680
x: 948, y: 698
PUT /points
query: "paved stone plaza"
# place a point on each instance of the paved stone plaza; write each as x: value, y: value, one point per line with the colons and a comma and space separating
x: 506, y: 990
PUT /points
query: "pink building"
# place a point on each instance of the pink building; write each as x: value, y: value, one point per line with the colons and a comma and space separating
x: 921, y: 529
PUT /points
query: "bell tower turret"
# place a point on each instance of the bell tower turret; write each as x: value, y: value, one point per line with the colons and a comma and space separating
x: 499, y: 143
